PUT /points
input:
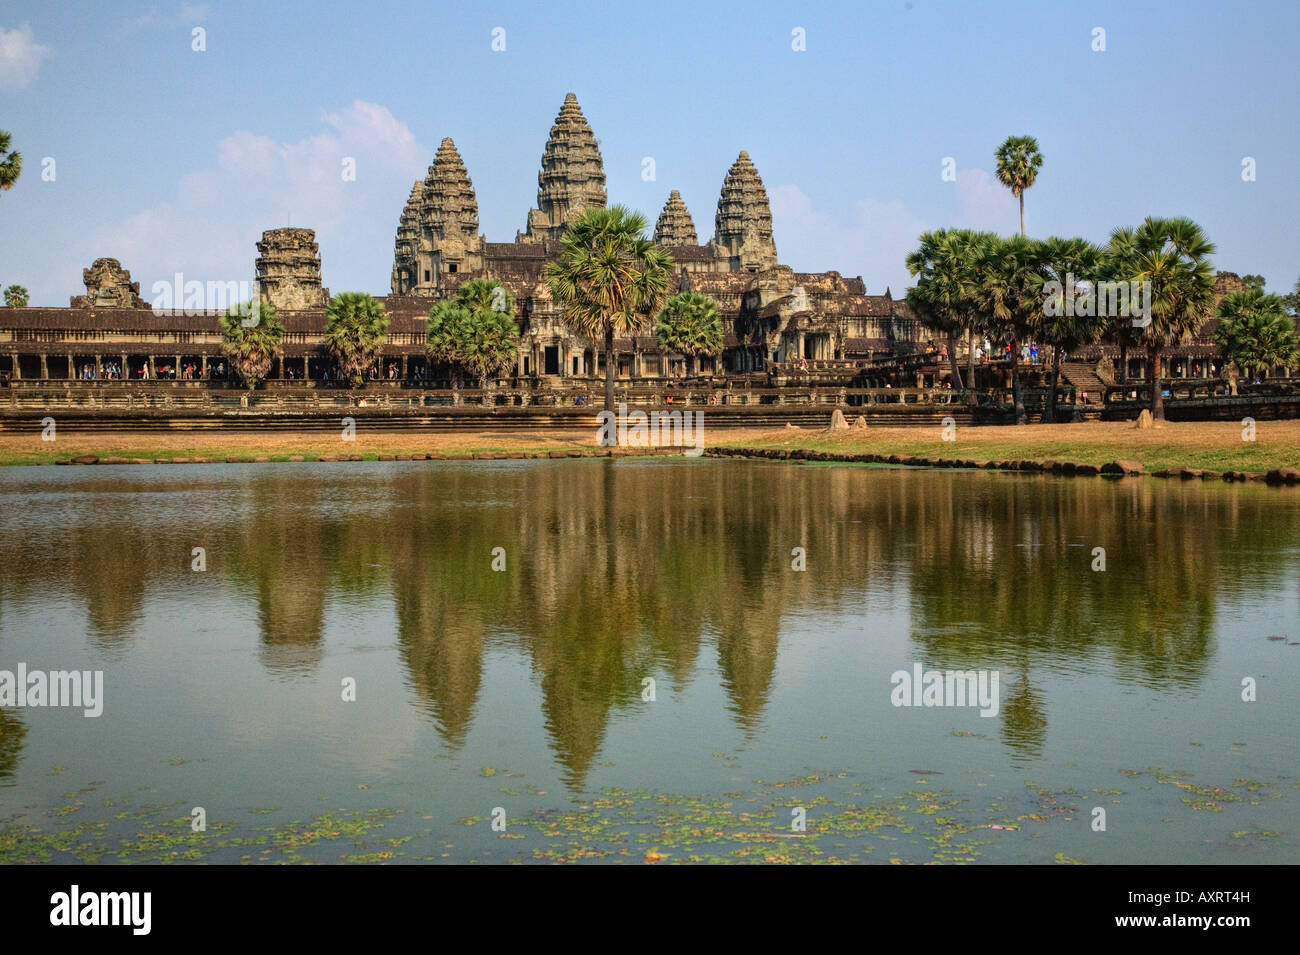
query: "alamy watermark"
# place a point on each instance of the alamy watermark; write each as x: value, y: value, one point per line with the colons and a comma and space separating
x: 1085, y: 299
x: 921, y: 687
x: 83, y: 688
x: 658, y: 429
x: 192, y: 297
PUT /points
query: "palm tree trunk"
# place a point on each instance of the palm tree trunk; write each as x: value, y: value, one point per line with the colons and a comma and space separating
x: 970, y: 363
x: 1022, y: 212
x: 1017, y: 396
x: 1157, y: 397
x: 956, y: 365
x: 1049, y: 413
x: 609, y: 367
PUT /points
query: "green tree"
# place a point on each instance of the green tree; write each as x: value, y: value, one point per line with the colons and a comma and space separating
x: 609, y: 278
x: 1254, y: 281
x: 1256, y: 332
x: 1018, y: 162
x: 951, y: 269
x: 16, y: 296
x: 251, y: 335
x: 1072, y: 267
x: 690, y: 325
x: 356, y: 329
x: 1173, y: 255
x: 1012, y: 291
x: 11, y: 165
x: 475, y: 332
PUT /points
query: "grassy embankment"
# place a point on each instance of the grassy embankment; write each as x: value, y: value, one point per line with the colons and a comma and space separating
x: 1214, y: 446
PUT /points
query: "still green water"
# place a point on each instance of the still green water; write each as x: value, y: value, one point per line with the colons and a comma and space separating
x: 521, y: 694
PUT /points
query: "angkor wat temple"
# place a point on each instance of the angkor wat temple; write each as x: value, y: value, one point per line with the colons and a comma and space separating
x: 771, y: 313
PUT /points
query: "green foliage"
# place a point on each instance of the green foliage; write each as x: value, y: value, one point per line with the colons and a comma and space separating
x: 1254, y: 281
x: 251, y: 336
x: 951, y: 266
x: 1018, y: 162
x: 475, y: 332
x: 11, y: 165
x: 1173, y: 255
x: 356, y: 329
x: 16, y: 296
x: 1256, y: 333
x: 690, y: 325
x: 609, y: 278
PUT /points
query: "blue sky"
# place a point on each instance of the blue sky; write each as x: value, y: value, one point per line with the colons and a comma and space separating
x: 172, y: 159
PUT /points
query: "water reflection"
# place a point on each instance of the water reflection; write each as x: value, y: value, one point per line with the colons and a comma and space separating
x: 620, y: 570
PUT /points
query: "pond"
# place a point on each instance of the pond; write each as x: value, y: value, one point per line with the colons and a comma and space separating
x: 647, y: 660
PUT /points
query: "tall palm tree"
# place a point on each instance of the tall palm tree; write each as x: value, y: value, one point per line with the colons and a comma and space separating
x: 690, y: 325
x: 1256, y: 332
x: 1018, y: 162
x: 1012, y: 292
x: 609, y: 278
x: 251, y: 346
x: 10, y: 166
x: 356, y: 329
x: 1070, y: 317
x: 1173, y: 255
x: 949, y: 264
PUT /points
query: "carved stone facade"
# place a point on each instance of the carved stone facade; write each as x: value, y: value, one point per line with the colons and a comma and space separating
x: 437, y: 248
x: 572, y: 178
x: 742, y: 231
x: 288, y: 270
x: 108, y: 285
x: 675, y: 226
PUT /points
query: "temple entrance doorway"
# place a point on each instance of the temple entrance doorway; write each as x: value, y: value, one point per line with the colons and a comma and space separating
x: 552, y: 359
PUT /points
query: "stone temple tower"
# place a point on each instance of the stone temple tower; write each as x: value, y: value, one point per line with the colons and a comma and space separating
x: 449, y: 242
x: 572, y: 178
x: 675, y: 226
x: 405, y: 267
x: 437, y: 234
x: 742, y: 237
x: 288, y: 270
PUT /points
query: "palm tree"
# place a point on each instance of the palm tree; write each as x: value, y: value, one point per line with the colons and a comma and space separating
x: 16, y: 297
x: 1070, y: 317
x: 1018, y: 162
x: 1173, y: 255
x: 1256, y: 332
x: 356, y: 329
x: 690, y: 325
x: 1012, y: 292
x: 475, y: 331
x: 10, y: 166
x: 252, y: 345
x: 946, y: 297
x: 609, y: 278
x: 488, y: 341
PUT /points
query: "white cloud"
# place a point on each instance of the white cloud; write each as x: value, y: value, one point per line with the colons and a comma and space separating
x: 186, y: 15
x: 20, y: 58
x: 210, y: 227
x: 867, y: 237
x: 985, y: 204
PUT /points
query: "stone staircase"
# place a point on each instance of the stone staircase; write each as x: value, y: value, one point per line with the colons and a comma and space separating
x: 1083, y: 377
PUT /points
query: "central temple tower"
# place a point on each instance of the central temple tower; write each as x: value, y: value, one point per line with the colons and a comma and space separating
x: 572, y: 177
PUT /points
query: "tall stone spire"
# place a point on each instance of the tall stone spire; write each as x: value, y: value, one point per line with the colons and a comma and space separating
x: 572, y: 177
x: 449, y: 207
x: 743, y: 226
x: 443, y: 212
x: 675, y: 226
x: 408, y: 236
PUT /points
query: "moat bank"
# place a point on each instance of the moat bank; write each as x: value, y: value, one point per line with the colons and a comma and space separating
x: 1207, y: 446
